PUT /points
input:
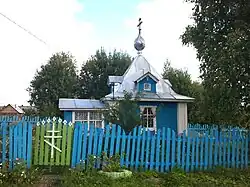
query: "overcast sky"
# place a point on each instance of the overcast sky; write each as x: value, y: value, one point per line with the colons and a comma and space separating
x: 81, y: 27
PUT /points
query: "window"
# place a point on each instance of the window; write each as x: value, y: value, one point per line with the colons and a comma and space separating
x: 90, y: 117
x: 147, y: 87
x: 148, y: 117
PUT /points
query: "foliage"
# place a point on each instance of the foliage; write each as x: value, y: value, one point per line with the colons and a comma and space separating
x: 57, y: 79
x: 19, y: 175
x: 111, y: 164
x: 176, y: 178
x: 182, y: 84
x: 220, y: 34
x: 94, y: 73
x: 124, y: 112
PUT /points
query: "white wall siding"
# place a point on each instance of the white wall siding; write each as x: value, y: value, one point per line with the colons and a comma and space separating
x: 182, y: 118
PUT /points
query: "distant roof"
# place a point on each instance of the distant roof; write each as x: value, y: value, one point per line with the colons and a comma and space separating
x: 137, y: 69
x: 70, y: 104
x: 15, y: 107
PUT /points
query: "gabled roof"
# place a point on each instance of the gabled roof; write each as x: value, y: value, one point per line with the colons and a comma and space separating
x: 138, y: 68
x: 15, y: 107
x: 71, y: 104
x: 145, y: 75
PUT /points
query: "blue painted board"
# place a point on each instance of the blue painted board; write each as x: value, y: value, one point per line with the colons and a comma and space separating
x: 138, y: 147
x: 163, y: 149
x: 134, y: 137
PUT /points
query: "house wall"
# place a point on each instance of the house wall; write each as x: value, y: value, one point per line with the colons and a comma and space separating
x: 67, y: 116
x: 166, y: 114
x: 147, y: 80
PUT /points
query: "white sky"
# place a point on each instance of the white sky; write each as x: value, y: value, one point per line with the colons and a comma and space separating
x: 54, y: 22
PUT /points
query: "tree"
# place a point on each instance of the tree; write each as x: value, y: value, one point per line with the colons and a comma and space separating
x: 220, y: 34
x: 182, y: 84
x: 125, y: 112
x: 57, y: 79
x: 94, y: 73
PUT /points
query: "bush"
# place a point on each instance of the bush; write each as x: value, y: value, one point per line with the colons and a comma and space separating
x: 20, y: 175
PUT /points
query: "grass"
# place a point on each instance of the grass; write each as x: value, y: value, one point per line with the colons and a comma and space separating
x: 64, y: 177
x: 220, y: 177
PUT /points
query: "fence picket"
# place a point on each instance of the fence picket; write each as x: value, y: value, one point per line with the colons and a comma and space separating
x: 147, y: 149
x: 24, y: 139
x: 193, y: 153
x: 58, y: 143
x: 29, y: 146
x: 237, y: 150
x: 202, y: 163
x: 163, y: 149
x: 41, y: 155
x: 75, y: 145
x: 157, y: 150
x: 64, y: 139
x: 168, y: 149
x: 11, y: 156
x: 197, y: 154
x: 100, y: 135
x: 211, y: 143
x: 79, y: 141
x: 113, y: 132
x: 173, y: 150
x: 228, y: 151
x: 118, y: 139
x: 143, y: 147
x: 84, y: 143
x: 246, y: 151
x: 4, y: 141
x: 183, y: 150
x: 69, y: 141
x: 134, y: 138
x: 95, y: 141
x: 233, y: 149
x: 46, y: 147
x: 206, y: 152
x: 152, y: 153
x: 216, y: 148
x: 128, y: 150
x: 138, y: 148
x: 188, y: 154
x: 91, y: 130
x: 37, y: 139
x: 123, y: 148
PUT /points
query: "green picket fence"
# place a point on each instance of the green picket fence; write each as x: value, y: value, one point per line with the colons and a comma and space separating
x: 53, y: 143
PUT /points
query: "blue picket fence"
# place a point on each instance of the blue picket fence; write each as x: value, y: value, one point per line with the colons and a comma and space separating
x: 16, y: 143
x: 161, y: 151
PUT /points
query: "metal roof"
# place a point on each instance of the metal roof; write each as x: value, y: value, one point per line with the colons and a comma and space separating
x: 67, y: 104
x: 137, y: 69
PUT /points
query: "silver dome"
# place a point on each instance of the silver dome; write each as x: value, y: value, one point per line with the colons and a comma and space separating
x: 139, y: 43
